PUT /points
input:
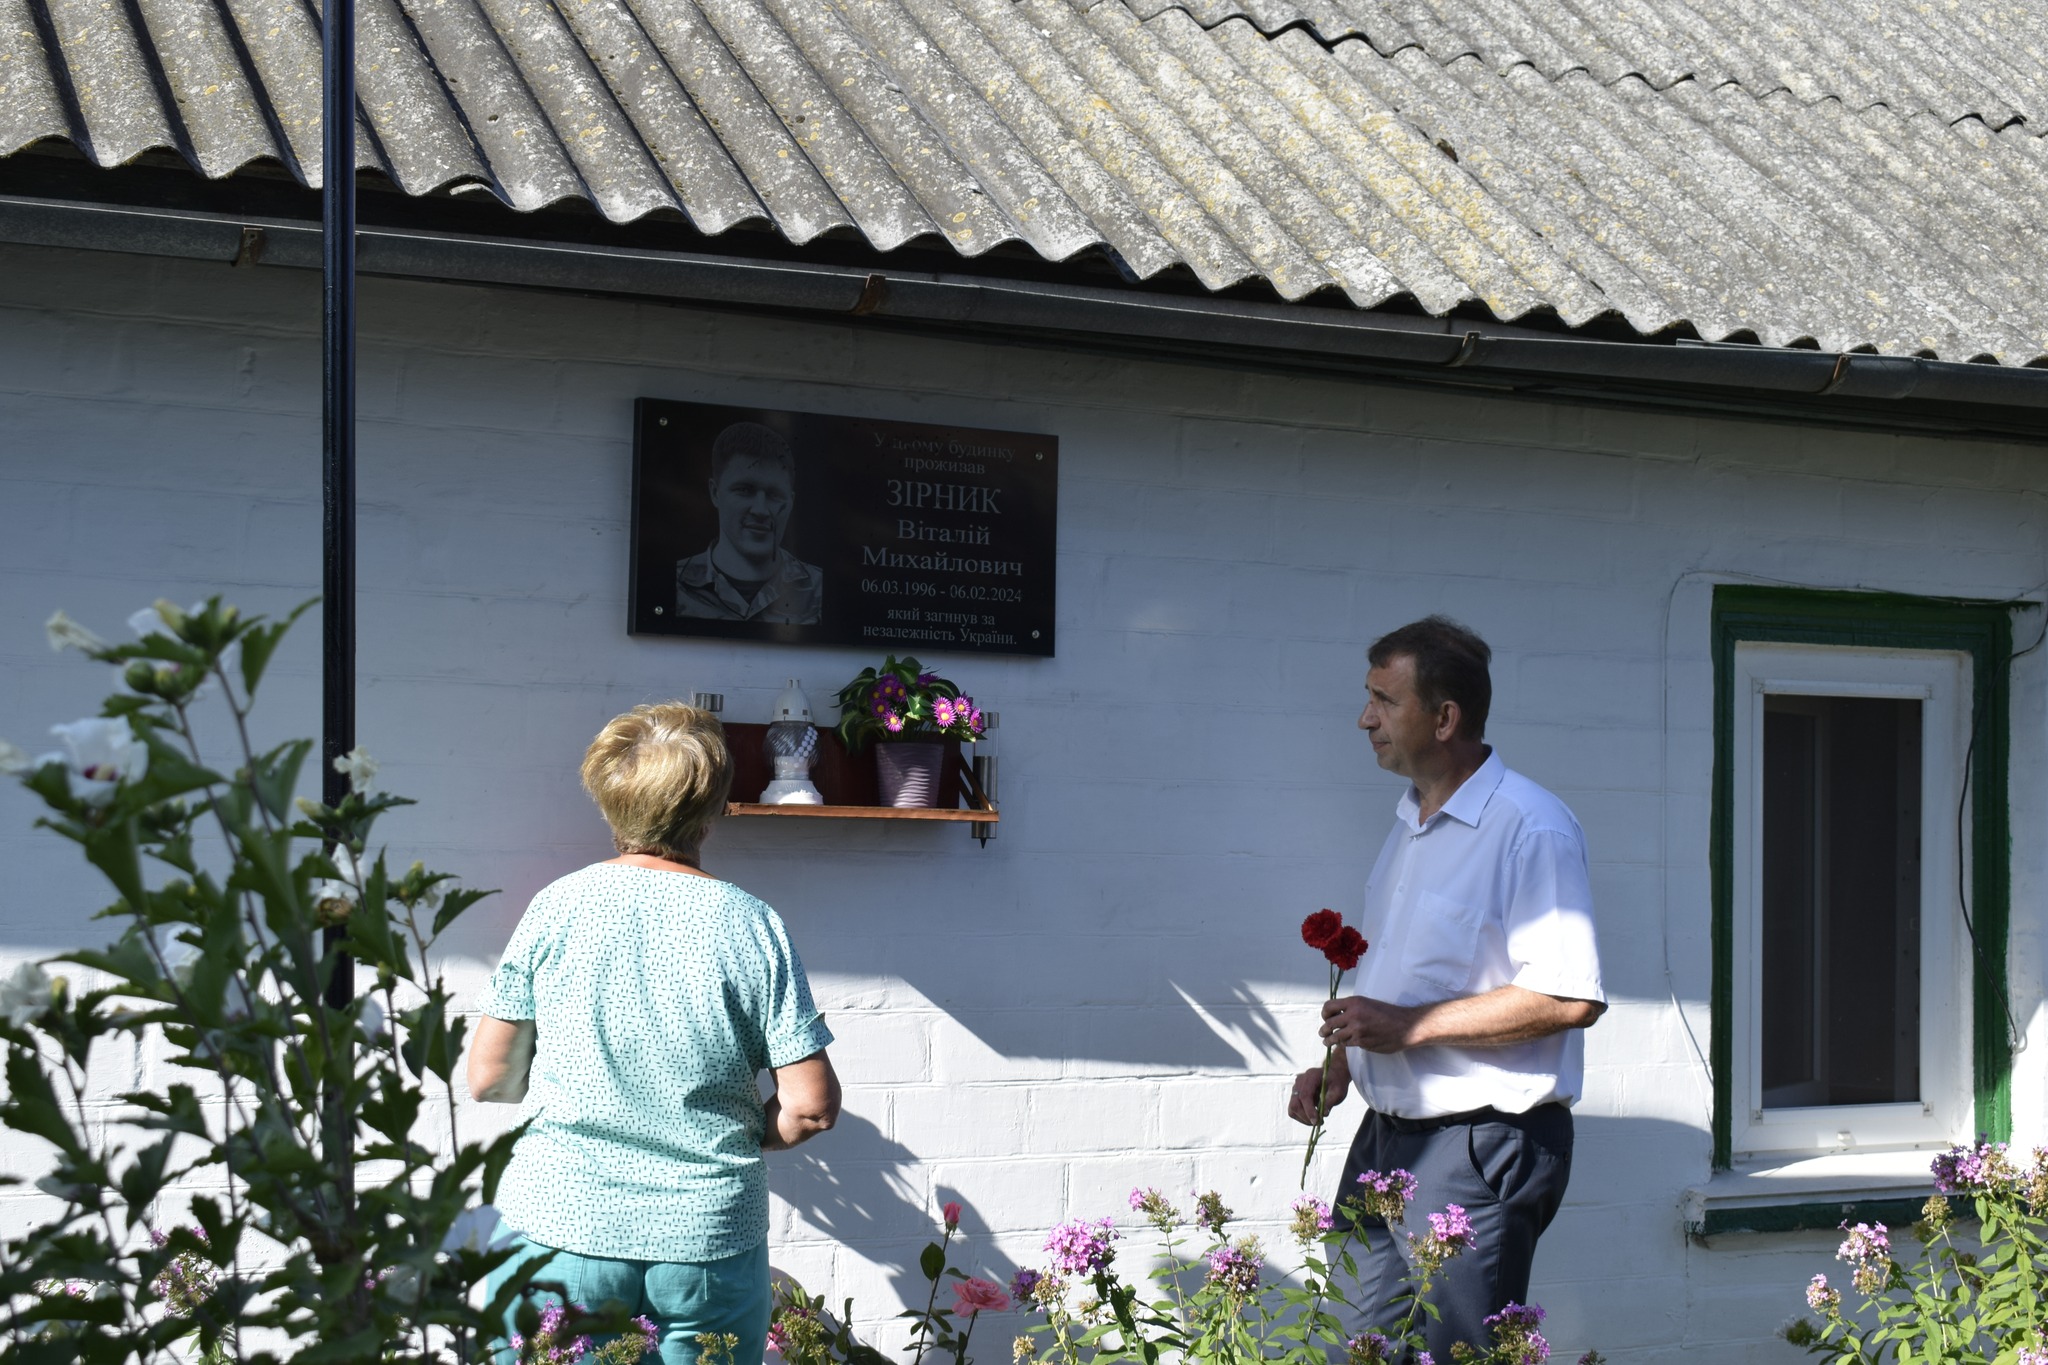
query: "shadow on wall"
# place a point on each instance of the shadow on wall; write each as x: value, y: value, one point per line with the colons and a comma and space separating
x: 858, y: 1188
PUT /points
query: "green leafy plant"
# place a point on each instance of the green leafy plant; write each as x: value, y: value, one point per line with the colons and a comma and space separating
x: 901, y: 700
x: 1956, y: 1305
x: 328, y: 1213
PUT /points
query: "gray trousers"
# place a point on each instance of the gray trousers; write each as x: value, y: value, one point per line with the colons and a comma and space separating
x: 1508, y: 1171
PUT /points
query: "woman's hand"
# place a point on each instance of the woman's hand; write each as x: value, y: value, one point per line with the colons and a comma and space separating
x: 500, y: 1059
x: 805, y: 1102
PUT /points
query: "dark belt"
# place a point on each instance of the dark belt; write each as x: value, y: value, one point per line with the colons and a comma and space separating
x: 1439, y: 1121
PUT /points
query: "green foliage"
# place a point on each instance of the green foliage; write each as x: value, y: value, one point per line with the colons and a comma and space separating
x: 1954, y: 1304
x: 325, y: 1216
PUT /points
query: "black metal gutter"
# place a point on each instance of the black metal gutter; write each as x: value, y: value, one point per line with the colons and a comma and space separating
x: 1884, y: 392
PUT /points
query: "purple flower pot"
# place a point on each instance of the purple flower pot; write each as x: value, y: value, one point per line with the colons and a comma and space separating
x: 907, y: 771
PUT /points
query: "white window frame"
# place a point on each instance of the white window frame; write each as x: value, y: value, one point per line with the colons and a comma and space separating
x: 1944, y: 1113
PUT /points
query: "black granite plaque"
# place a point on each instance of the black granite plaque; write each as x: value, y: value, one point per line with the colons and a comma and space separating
x: 756, y: 524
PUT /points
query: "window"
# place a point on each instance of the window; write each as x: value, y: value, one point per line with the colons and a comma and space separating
x: 1859, y: 869
x: 1851, y: 1007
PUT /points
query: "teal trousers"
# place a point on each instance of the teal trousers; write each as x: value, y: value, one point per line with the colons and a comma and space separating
x: 683, y: 1298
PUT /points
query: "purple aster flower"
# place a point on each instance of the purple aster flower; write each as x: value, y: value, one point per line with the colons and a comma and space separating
x: 942, y: 712
x: 1079, y: 1247
x: 893, y: 723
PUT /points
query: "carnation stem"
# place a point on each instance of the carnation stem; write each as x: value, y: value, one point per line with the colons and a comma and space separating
x: 1315, y: 1134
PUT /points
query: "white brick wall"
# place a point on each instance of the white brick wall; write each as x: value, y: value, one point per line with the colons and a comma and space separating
x: 1111, y: 993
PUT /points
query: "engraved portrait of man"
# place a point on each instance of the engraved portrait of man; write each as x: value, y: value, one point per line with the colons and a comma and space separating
x: 745, y: 574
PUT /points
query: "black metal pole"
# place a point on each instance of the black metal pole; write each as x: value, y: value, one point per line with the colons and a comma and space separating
x: 338, y: 412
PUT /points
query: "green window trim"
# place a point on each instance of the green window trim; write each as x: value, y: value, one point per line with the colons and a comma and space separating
x: 1981, y: 629
x: 1898, y: 1213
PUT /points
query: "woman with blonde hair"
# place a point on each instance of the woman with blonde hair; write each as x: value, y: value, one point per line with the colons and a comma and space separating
x: 631, y: 1016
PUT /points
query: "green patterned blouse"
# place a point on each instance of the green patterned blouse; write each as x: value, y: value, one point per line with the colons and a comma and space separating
x: 658, y: 998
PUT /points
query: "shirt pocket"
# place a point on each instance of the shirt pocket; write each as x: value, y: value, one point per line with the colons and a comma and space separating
x: 1443, y: 943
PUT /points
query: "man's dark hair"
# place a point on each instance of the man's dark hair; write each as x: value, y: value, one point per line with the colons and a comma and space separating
x: 750, y: 441
x: 1450, y: 665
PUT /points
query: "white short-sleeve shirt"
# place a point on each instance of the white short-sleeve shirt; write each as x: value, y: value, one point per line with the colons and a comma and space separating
x: 1491, y: 891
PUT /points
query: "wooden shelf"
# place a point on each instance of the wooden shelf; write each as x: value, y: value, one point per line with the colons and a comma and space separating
x: 980, y: 817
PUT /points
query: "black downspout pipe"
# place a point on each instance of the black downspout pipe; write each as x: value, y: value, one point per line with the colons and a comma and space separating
x: 338, y: 488
x: 338, y: 409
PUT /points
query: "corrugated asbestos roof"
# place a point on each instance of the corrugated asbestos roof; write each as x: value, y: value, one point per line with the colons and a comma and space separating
x: 1847, y: 173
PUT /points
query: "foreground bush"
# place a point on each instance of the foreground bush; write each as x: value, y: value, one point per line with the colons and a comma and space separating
x: 1952, y: 1305
x: 336, y: 1224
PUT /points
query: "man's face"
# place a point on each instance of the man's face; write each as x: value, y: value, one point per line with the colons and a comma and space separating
x: 753, y: 498
x: 1401, y: 728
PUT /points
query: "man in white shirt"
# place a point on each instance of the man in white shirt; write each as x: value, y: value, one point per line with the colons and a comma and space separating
x: 1464, y: 1039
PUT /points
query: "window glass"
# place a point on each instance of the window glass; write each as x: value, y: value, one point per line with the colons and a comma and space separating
x: 1839, y: 937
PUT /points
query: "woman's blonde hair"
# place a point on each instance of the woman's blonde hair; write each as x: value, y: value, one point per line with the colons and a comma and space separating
x: 661, y: 775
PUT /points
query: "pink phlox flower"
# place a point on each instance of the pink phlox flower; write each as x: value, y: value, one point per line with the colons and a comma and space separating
x: 976, y: 1295
x: 1386, y: 1194
x: 1079, y: 1247
x: 1821, y: 1298
x: 778, y: 1337
x: 1517, y: 1315
x: 1368, y: 1348
x: 1452, y: 1227
x: 1971, y: 1170
x: 1311, y: 1219
x: 1865, y: 1242
x: 1235, y: 1269
x: 1023, y: 1283
x: 1396, y: 1182
x: 1211, y: 1212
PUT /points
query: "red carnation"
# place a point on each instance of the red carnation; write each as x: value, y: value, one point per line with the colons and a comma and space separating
x: 1345, y: 949
x: 1320, y: 930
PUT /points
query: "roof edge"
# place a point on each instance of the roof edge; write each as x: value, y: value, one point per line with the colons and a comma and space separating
x: 1889, y: 392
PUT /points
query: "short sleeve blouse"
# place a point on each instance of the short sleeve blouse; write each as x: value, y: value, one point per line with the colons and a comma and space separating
x: 658, y: 997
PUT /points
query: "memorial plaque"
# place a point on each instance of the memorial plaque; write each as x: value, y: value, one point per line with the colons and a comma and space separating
x: 756, y: 524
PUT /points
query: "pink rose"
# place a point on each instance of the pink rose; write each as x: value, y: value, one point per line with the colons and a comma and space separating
x: 972, y: 1296
x: 951, y: 1213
